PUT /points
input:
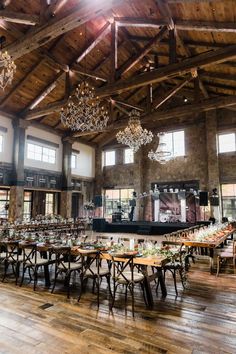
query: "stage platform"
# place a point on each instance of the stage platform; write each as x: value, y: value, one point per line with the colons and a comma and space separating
x: 139, y: 227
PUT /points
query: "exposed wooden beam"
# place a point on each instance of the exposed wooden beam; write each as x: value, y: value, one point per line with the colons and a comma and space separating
x: 126, y: 104
x: 43, y: 94
x: 209, y: 75
x: 158, y: 102
x: 4, y: 3
x: 55, y: 7
x: 19, y: 17
x: 134, y: 60
x: 184, y: 25
x: 172, y: 46
x: 165, y: 12
x: 99, y: 36
x: 41, y: 35
x: 119, y: 107
x: 24, y: 79
x: 88, y: 73
x: 170, y: 71
x: 191, y: 25
x: 178, y: 112
x: 50, y: 108
x: 139, y: 22
x: 114, y: 51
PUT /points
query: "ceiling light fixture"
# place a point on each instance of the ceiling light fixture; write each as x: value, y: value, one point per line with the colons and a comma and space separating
x: 83, y: 111
x: 134, y: 135
x: 162, y: 154
x: 8, y: 67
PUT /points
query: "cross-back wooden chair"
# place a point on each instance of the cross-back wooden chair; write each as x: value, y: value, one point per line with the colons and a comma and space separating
x: 227, y: 253
x: 125, y: 273
x: 65, y: 265
x: 32, y: 261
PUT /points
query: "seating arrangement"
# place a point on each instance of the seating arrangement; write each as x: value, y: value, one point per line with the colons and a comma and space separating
x: 227, y: 253
x: 176, y: 265
x: 65, y: 266
x: 124, y: 273
x: 31, y: 260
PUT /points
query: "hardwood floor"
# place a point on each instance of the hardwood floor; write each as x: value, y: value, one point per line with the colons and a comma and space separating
x: 201, y: 320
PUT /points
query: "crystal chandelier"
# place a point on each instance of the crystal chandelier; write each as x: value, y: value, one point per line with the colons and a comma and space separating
x: 83, y: 112
x: 134, y: 135
x: 8, y: 69
x: 162, y: 154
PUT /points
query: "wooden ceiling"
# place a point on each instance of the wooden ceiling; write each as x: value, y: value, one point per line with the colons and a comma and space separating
x: 146, y: 54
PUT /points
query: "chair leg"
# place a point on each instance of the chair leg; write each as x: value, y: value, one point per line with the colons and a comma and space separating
x: 23, y: 275
x: 218, y: 266
x: 131, y: 288
x: 175, y: 283
x: 6, y: 265
x: 35, y: 277
x: 54, y: 284
x: 181, y: 273
x: 67, y: 283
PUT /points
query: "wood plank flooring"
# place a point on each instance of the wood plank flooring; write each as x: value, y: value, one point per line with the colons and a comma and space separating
x: 202, y: 319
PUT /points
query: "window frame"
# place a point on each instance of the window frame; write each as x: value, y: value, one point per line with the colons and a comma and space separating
x: 218, y: 142
x: 44, y: 153
x: 76, y: 158
x: 109, y: 151
x: 2, y: 143
x: 173, y: 155
x: 128, y: 162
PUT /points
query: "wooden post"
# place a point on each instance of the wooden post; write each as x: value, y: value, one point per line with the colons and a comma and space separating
x: 16, y: 206
x: 66, y: 193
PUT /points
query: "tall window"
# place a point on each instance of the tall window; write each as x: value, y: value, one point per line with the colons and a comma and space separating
x: 4, y: 203
x: 227, y: 142
x: 175, y: 143
x: 117, y: 200
x: 41, y: 153
x: 49, y: 204
x: 109, y: 158
x: 1, y: 143
x: 229, y: 200
x: 27, y: 205
x: 73, y: 160
x: 129, y: 155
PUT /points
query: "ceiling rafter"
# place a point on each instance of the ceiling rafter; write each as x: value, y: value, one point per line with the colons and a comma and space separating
x: 177, y: 112
x: 19, y: 17
x: 169, y: 71
x: 41, y: 35
x: 144, y: 51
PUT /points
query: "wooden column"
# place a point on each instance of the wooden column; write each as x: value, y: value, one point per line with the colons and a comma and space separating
x: 212, y: 155
x: 66, y: 193
x: 114, y: 58
x: 172, y: 46
x: 16, y: 205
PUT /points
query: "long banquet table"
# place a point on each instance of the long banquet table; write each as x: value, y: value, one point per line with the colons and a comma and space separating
x: 156, y: 262
x: 211, y: 242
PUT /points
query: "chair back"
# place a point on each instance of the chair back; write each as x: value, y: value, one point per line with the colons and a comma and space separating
x: 63, y: 256
x: 29, y: 251
x: 12, y: 250
x: 122, y: 266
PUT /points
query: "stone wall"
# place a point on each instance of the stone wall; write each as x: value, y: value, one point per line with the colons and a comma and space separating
x: 201, y: 161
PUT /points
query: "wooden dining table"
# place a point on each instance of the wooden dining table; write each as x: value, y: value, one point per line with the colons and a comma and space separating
x: 211, y: 243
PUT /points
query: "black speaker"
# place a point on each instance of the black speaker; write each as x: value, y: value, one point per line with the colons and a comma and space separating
x: 97, y: 201
x: 99, y: 224
x: 203, y: 198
